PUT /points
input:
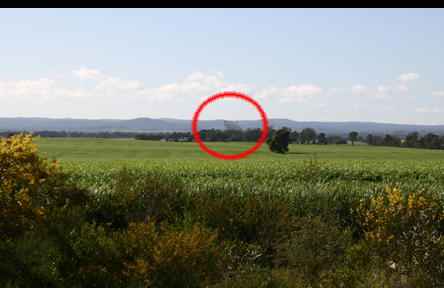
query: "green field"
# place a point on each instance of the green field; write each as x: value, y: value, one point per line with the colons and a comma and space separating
x: 357, y: 168
x: 99, y: 148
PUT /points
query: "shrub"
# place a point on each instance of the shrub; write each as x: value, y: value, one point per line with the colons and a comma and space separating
x: 167, y: 257
x: 313, y: 247
x: 342, y: 141
x: 259, y: 218
x: 37, y: 209
x: 404, y: 232
x: 22, y: 175
x: 131, y: 199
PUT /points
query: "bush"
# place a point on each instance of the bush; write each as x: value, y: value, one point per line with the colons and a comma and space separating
x: 168, y: 257
x: 342, y: 141
x: 38, y: 209
x: 404, y: 231
x: 131, y: 199
x: 23, y: 175
x: 313, y: 248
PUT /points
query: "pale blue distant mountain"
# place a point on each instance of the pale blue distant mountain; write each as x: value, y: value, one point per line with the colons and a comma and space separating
x: 172, y: 125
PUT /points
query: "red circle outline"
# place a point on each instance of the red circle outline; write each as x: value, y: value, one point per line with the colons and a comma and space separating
x: 230, y: 94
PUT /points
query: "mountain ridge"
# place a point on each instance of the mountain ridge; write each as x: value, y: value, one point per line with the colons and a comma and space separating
x: 145, y: 124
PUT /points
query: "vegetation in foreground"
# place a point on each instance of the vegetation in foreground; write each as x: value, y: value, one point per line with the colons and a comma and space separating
x: 151, y: 229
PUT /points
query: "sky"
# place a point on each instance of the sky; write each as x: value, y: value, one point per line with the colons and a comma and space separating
x: 366, y: 65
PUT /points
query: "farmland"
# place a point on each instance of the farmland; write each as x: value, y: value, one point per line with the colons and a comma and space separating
x: 169, y: 214
x: 96, y: 160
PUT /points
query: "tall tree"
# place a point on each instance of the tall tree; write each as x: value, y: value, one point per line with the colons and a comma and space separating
x: 280, y: 141
x: 388, y: 139
x: 410, y: 139
x: 322, y: 139
x: 352, y: 136
x: 369, y: 139
x: 308, y: 134
x: 294, y: 136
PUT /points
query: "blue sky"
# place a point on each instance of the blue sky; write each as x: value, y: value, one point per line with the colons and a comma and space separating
x: 379, y: 65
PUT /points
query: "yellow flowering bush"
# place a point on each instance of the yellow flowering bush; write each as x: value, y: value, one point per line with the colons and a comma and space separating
x: 22, y: 174
x: 404, y: 230
x: 172, y: 258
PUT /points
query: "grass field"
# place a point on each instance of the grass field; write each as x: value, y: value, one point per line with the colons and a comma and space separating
x: 357, y: 168
x: 99, y: 148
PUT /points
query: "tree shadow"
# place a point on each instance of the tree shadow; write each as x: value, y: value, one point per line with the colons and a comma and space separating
x: 297, y: 153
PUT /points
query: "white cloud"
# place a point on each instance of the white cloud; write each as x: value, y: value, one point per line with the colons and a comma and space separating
x: 44, y: 89
x: 405, y: 120
x: 401, y: 88
x: 219, y: 73
x: 196, y: 76
x: 299, y: 94
x: 215, y: 82
x: 434, y: 122
x: 438, y: 94
x: 85, y: 73
x: 357, y: 106
x: 390, y: 108
x: 426, y: 110
x: 193, y: 87
x: 408, y: 77
x: 336, y: 90
x: 381, y: 92
x: 329, y: 118
x: 316, y: 105
x: 238, y: 88
x: 113, y: 82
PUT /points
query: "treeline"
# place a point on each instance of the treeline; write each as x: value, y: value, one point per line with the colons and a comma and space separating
x: 306, y: 136
x: 74, y: 134
x: 175, y: 136
x: 412, y: 140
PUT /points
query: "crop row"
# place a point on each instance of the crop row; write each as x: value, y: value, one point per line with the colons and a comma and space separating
x: 281, y: 172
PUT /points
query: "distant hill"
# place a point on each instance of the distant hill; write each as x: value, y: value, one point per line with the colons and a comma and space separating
x: 172, y: 125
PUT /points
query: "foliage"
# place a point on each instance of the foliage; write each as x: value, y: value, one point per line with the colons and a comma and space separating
x: 171, y: 257
x: 130, y: 198
x: 352, y: 136
x: 405, y: 232
x: 307, y: 135
x: 280, y: 141
x: 22, y: 173
x: 263, y: 222
x: 260, y: 218
x: 313, y: 247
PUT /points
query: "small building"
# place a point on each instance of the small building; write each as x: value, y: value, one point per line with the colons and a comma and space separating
x: 182, y: 139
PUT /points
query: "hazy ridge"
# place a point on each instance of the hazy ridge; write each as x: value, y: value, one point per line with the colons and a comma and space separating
x: 172, y: 125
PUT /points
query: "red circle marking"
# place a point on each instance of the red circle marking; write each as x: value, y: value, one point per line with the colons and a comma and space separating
x: 230, y: 94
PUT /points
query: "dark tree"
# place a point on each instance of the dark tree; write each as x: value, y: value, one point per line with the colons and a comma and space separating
x: 280, y: 141
x: 333, y: 139
x: 352, y: 136
x: 429, y: 140
x: 294, y: 136
x: 388, y: 140
x: 369, y: 139
x: 410, y: 139
x: 322, y: 139
x: 308, y: 134
x: 270, y: 132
